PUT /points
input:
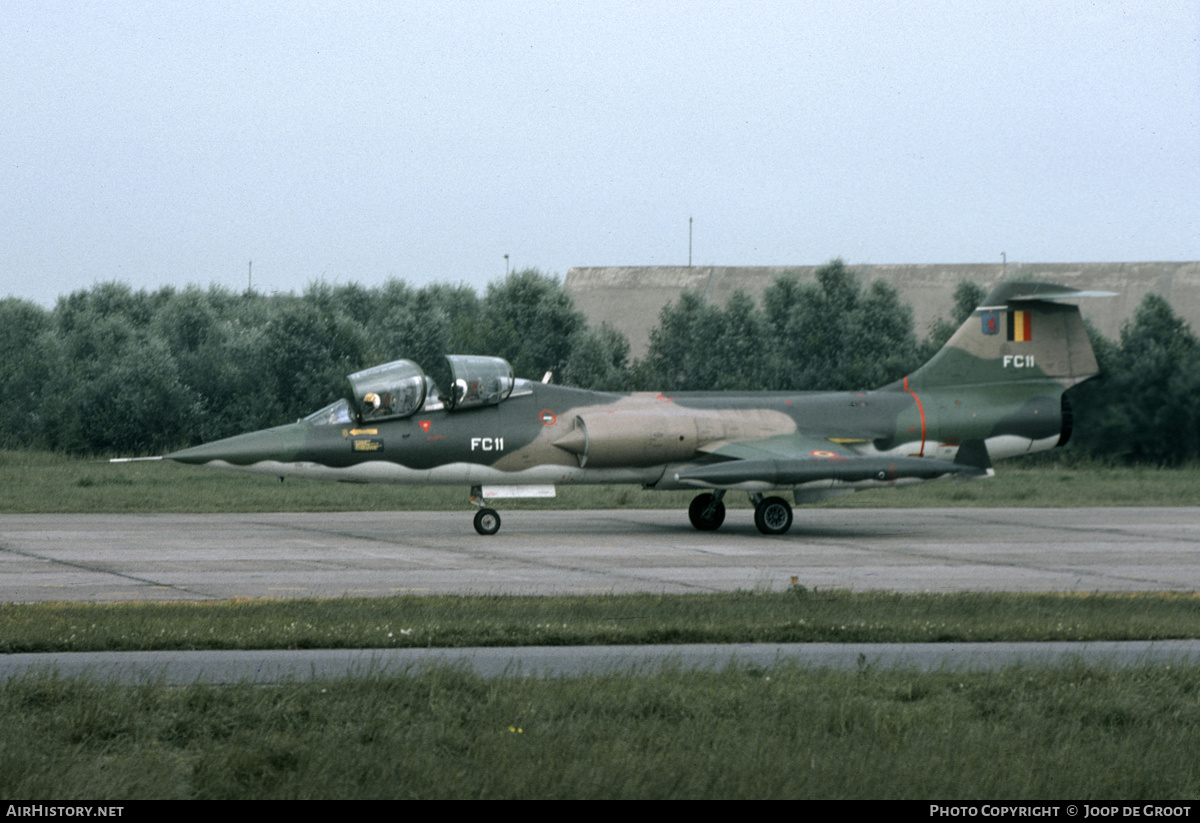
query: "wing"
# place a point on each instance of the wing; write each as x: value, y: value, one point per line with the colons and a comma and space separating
x: 795, y: 459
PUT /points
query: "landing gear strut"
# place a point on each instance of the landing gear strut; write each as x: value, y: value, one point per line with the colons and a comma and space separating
x: 772, y: 515
x: 707, y: 512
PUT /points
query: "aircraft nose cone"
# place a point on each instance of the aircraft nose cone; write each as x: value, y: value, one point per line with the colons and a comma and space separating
x: 282, y: 444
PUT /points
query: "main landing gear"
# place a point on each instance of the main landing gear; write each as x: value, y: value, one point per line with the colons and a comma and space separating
x: 707, y: 512
x: 772, y: 515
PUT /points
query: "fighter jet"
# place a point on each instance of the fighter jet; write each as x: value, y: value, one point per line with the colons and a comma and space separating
x: 994, y: 391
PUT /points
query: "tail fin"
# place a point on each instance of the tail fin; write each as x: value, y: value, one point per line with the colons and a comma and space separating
x: 1018, y: 335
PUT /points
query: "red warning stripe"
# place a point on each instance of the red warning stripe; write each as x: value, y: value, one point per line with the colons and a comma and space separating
x: 920, y: 409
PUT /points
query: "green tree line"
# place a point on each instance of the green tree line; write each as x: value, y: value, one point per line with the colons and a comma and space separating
x: 111, y: 370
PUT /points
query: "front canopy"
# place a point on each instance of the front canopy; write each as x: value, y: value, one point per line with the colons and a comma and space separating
x: 388, y: 392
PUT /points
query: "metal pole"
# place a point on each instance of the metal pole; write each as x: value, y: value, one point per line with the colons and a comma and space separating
x: 689, y: 242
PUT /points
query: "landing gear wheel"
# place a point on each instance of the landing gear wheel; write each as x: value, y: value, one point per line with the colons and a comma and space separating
x: 773, y: 516
x: 706, y: 513
x: 487, y: 521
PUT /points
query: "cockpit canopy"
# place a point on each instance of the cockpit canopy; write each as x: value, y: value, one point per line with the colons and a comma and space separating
x: 399, y: 389
x: 478, y: 381
x: 388, y: 392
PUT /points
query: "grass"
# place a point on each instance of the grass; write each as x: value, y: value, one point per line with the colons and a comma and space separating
x: 796, y: 616
x: 39, y: 482
x: 1067, y: 734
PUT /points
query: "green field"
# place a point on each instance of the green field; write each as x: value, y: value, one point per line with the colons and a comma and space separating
x: 796, y: 616
x: 33, y: 482
x: 788, y: 732
x: 1073, y: 732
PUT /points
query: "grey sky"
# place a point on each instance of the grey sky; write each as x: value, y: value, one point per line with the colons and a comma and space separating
x: 168, y: 143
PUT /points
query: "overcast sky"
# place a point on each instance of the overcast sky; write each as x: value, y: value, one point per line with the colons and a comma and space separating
x: 169, y: 143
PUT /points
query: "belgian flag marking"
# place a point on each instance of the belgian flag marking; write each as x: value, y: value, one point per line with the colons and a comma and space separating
x: 1020, y: 326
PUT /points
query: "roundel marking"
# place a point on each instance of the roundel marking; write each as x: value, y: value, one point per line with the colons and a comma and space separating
x: 822, y: 453
x: 548, y: 417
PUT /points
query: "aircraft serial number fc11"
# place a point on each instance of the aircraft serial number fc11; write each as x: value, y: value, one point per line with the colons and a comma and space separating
x: 988, y: 394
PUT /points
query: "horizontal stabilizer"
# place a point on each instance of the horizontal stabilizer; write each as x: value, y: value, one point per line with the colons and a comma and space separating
x: 1025, y: 290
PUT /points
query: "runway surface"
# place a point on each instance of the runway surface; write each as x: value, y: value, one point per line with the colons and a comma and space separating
x: 106, y: 558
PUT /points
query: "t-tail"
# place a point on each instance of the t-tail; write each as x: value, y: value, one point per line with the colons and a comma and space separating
x: 1000, y: 378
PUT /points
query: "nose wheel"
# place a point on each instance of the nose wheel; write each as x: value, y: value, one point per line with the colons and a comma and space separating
x: 487, y: 521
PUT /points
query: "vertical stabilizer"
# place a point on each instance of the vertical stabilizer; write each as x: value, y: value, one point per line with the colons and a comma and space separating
x: 1020, y: 334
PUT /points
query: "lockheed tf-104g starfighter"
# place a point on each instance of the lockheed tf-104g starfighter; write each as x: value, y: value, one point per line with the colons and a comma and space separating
x: 994, y: 391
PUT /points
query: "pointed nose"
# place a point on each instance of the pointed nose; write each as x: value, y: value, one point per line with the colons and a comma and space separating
x: 282, y: 444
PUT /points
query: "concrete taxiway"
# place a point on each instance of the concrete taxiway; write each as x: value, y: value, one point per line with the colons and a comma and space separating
x: 107, y: 558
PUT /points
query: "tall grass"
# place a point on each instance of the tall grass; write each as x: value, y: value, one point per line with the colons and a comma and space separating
x: 796, y: 616
x: 788, y: 732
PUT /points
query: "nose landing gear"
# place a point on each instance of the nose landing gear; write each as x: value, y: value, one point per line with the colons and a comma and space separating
x: 487, y: 520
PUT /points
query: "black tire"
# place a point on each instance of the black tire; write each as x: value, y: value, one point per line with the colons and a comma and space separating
x: 773, y: 516
x: 487, y: 521
x: 700, y: 505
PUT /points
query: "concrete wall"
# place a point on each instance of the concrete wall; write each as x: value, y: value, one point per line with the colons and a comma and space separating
x: 631, y: 298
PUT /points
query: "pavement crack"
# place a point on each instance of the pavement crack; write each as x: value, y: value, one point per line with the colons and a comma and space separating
x: 144, y: 581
